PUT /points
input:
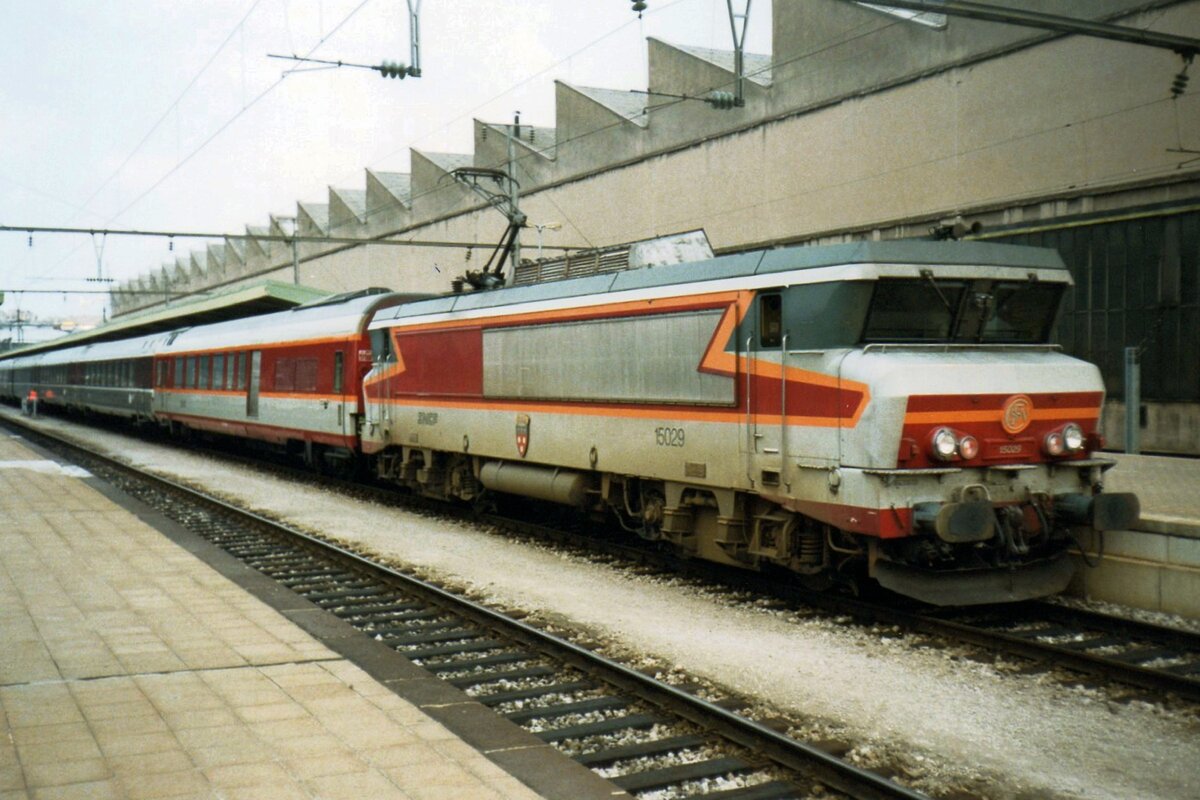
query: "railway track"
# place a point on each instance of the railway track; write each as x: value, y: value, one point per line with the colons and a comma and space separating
x: 645, y: 736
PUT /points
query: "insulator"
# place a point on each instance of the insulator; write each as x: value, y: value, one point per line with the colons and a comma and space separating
x: 722, y: 101
x: 1179, y: 85
x: 639, y: 6
x: 393, y: 69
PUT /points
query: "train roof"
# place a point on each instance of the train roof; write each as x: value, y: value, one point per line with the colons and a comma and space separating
x: 341, y: 315
x: 760, y: 262
x: 235, y: 303
x: 137, y: 347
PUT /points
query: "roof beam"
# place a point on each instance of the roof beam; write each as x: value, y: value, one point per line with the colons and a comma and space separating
x: 1185, y: 46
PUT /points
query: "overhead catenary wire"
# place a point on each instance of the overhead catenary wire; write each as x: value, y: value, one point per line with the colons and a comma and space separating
x: 175, y: 104
x: 258, y: 237
x: 223, y: 127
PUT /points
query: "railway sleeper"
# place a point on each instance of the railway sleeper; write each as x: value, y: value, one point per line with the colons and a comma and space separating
x: 447, y: 635
x: 1094, y: 643
x: 390, y: 633
x: 632, y: 722
x: 364, y: 621
x: 453, y: 650
x: 367, y: 609
x: 540, y: 671
x: 669, y: 776
x: 290, y: 578
x: 360, y: 592
x: 500, y: 659
x: 566, y: 709
x: 499, y: 698
x: 771, y: 790
x: 1141, y: 655
x: 654, y: 747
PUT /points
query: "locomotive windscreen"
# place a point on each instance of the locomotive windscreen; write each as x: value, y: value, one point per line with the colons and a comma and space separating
x: 958, y: 311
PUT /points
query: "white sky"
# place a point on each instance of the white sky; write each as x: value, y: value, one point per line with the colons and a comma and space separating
x: 104, y: 108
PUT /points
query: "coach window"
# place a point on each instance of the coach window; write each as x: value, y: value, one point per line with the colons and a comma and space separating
x: 337, y: 372
x: 177, y: 376
x: 160, y: 379
x: 306, y: 375
x: 230, y: 372
x: 189, y: 373
x: 770, y: 320
x: 202, y: 381
x: 218, y: 371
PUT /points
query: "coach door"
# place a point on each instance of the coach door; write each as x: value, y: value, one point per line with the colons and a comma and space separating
x: 339, y: 377
x: 252, y: 384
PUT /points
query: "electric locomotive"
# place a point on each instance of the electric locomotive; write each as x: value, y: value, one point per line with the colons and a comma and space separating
x: 888, y: 410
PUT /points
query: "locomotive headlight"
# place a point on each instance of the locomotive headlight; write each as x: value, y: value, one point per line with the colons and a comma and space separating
x: 945, y: 445
x: 1053, y: 443
x: 1073, y: 438
x: 968, y: 447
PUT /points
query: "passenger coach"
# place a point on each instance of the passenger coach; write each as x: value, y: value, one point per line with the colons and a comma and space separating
x: 290, y: 378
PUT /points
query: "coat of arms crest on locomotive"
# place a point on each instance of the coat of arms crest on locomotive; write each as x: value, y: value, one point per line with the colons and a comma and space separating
x: 522, y: 434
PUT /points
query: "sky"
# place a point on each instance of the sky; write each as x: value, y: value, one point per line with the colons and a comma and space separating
x: 155, y: 115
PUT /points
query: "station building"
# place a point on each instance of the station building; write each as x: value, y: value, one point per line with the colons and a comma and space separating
x: 864, y: 122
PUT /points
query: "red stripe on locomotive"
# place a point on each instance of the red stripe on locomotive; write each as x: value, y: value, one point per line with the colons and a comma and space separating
x: 981, y: 416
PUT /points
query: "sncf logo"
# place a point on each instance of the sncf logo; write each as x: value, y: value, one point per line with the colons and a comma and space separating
x: 1018, y: 413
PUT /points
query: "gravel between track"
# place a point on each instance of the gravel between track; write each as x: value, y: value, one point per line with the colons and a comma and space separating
x: 948, y: 722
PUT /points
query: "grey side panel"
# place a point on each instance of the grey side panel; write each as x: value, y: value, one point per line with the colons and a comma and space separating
x: 651, y: 359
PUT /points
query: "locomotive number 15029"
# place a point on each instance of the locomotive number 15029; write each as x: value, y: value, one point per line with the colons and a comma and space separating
x: 669, y: 437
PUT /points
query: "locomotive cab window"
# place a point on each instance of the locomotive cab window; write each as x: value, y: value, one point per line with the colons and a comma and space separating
x: 931, y: 309
x: 913, y: 310
x: 1022, y: 313
x: 338, y: 369
x: 770, y: 320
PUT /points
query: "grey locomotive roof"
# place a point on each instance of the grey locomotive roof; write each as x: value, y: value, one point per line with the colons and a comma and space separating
x: 758, y: 262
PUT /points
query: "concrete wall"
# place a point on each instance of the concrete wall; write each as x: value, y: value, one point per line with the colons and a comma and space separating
x: 1168, y: 428
x: 1158, y: 569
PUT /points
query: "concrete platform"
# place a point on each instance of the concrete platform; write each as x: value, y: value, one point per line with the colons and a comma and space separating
x: 132, y: 668
x: 1156, y: 566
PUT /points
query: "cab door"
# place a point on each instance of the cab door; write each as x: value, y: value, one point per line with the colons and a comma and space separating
x: 766, y: 343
